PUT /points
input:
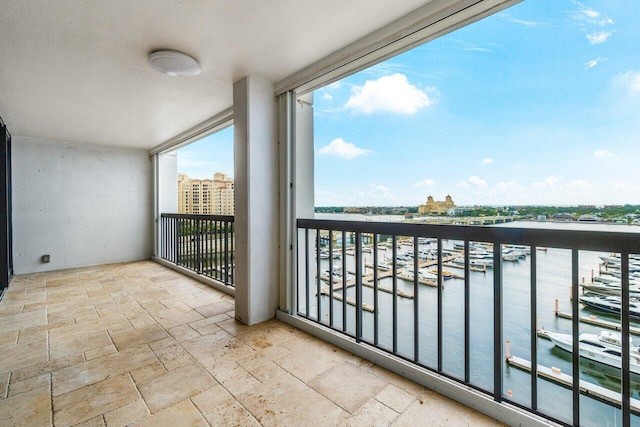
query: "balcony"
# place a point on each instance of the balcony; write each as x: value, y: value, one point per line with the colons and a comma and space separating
x: 139, y: 343
x: 384, y: 285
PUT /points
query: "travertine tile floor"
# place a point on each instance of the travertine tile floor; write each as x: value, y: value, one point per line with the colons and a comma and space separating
x: 141, y: 344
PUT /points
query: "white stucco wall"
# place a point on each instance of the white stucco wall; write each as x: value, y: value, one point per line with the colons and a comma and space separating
x: 81, y: 204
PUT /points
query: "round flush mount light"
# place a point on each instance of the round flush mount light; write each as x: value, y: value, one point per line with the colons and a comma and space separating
x: 174, y: 63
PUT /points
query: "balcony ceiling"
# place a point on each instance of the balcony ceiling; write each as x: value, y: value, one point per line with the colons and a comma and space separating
x: 78, y: 71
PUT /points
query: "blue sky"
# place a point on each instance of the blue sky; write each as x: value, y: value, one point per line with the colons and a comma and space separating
x: 538, y: 104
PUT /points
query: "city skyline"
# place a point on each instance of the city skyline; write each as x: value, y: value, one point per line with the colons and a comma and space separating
x: 536, y: 105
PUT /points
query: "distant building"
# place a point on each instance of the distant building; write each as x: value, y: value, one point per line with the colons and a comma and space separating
x: 206, y: 196
x: 436, y: 207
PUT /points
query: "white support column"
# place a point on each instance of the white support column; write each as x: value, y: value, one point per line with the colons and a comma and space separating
x: 256, y: 197
x: 296, y: 186
x: 165, y: 169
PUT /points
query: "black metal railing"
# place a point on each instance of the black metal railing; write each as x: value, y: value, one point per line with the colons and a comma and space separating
x: 202, y: 243
x: 465, y: 329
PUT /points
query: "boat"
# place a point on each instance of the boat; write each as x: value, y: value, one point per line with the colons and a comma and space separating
x: 605, y: 348
x: 610, y: 304
x: 603, y: 289
x: 479, y: 263
x: 446, y: 275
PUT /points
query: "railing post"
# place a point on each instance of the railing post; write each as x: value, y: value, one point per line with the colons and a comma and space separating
x: 576, y: 335
x: 626, y: 347
x: 497, y: 321
x: 358, y: 256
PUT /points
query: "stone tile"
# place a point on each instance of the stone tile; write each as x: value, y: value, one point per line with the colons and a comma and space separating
x: 235, y: 379
x: 184, y: 333
x: 441, y: 411
x: 46, y: 367
x: 234, y: 327
x: 373, y: 413
x: 18, y: 356
x: 395, y: 379
x: 306, y: 365
x: 181, y: 414
x: 208, y: 325
x: 4, y: 384
x: 287, y: 401
x: 260, y: 364
x: 174, y: 356
x: 93, y: 422
x: 265, y: 335
x: 127, y: 414
x: 149, y: 372
x: 262, y: 372
x: 214, y: 350
x: 93, y: 371
x: 33, y: 383
x: 156, y: 345
x: 221, y: 409
x: 133, y: 338
x: 140, y: 320
x: 100, y: 351
x: 172, y: 317
x: 213, y: 309
x: 351, y: 394
x: 31, y: 334
x: 10, y: 337
x: 61, y: 345
x: 32, y: 408
x: 13, y: 322
x: 395, y: 398
x: 88, y: 402
x: 172, y: 387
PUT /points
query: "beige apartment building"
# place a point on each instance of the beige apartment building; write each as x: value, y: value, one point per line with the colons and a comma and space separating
x: 206, y: 196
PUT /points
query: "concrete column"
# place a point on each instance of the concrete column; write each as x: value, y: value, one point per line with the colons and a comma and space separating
x: 296, y: 186
x: 166, y: 190
x: 256, y: 198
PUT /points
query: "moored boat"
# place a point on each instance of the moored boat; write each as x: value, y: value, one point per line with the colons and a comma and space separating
x: 610, y: 304
x: 605, y: 348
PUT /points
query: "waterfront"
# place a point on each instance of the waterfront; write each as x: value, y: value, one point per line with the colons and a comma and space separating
x: 553, y: 282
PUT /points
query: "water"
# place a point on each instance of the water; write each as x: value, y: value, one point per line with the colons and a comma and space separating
x: 553, y: 282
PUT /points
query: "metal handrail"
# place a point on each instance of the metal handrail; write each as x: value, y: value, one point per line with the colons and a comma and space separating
x: 202, y: 243
x: 309, y: 282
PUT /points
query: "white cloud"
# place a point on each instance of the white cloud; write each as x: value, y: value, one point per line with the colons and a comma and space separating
x: 327, y: 97
x: 599, y: 37
x: 550, y: 182
x: 603, y: 154
x: 487, y: 160
x: 592, y: 63
x: 590, y: 16
x: 345, y: 150
x: 380, y: 192
x: 525, y: 23
x: 425, y: 183
x: 391, y: 94
x: 475, y: 182
x: 477, y: 49
x: 629, y: 81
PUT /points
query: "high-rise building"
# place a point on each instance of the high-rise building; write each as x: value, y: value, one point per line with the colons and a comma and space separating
x: 206, y: 196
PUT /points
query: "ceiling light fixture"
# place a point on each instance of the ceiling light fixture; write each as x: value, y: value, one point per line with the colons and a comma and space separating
x: 174, y: 63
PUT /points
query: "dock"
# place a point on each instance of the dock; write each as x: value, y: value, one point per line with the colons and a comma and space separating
x: 337, y: 286
x: 586, y: 388
x: 594, y: 320
x: 350, y: 301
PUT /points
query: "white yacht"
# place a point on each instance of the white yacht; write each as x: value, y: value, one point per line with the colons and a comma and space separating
x: 605, y: 347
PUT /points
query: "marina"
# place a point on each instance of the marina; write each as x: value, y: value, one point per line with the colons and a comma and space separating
x: 600, y: 383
